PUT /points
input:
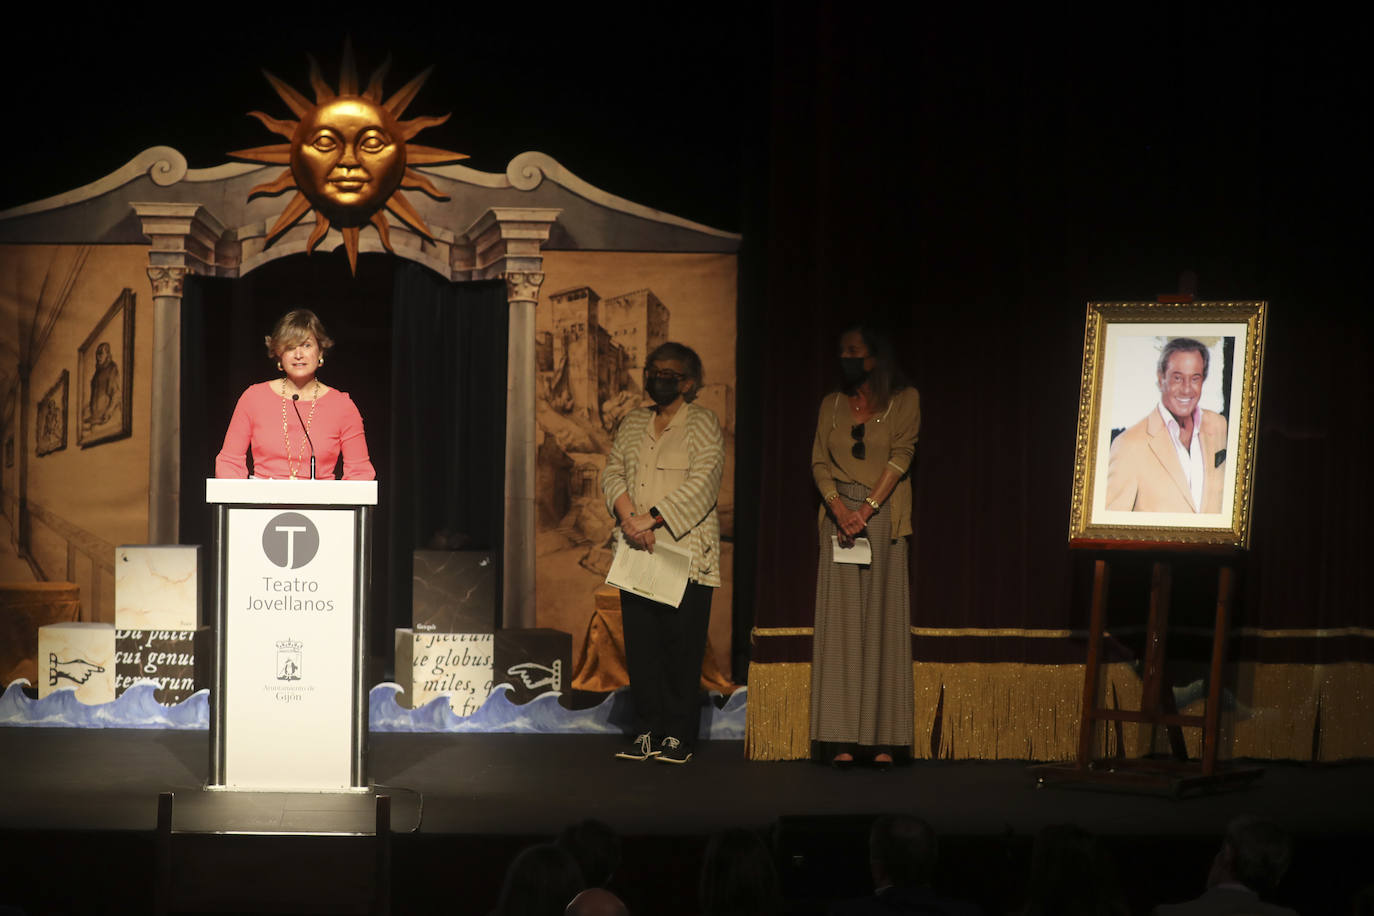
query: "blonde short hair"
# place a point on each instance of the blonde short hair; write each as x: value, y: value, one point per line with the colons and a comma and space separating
x: 294, y: 327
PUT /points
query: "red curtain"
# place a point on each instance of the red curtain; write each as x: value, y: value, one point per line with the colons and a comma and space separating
x: 972, y: 185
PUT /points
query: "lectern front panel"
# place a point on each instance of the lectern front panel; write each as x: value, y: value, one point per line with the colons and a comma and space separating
x: 290, y: 619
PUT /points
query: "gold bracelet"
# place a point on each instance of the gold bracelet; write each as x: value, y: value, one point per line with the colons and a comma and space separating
x: 873, y: 502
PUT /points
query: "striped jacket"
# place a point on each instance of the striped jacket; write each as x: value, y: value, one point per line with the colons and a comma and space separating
x: 689, y: 512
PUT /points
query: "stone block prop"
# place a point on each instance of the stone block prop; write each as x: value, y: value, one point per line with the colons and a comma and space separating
x: 157, y: 587
x: 80, y: 655
x: 533, y: 662
x: 434, y: 664
x: 179, y: 660
x: 454, y: 591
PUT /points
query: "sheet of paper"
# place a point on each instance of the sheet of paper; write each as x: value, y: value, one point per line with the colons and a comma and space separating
x: 861, y: 553
x: 659, y: 576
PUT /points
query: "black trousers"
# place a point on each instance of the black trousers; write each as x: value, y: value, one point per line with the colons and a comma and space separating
x: 664, y: 647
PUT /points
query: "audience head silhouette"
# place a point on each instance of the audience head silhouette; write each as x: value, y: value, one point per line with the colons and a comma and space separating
x: 539, y: 882
x: 902, y: 850
x: 596, y: 901
x: 596, y: 847
x: 738, y: 877
x: 1071, y: 875
x: 1255, y: 852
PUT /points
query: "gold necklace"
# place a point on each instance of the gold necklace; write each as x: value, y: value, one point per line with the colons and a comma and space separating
x: 285, y: 431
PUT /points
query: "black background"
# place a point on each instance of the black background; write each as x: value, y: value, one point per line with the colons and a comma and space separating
x: 970, y: 176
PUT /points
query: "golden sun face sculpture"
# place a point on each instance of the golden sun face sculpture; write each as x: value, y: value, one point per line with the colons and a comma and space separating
x: 349, y: 157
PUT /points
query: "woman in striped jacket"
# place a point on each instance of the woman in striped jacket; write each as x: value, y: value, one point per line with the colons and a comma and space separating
x: 662, y: 480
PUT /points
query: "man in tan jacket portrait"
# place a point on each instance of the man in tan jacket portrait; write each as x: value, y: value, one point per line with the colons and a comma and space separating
x: 1173, y: 460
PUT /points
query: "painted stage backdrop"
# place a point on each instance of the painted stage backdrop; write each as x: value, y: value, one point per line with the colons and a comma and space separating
x: 91, y: 294
x: 74, y: 376
x: 599, y: 315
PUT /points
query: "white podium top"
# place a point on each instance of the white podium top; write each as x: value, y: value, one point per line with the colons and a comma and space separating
x: 261, y: 491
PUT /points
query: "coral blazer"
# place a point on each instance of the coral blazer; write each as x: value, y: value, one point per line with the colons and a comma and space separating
x: 1144, y: 475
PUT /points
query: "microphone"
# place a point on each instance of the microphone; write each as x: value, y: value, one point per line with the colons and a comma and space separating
x: 296, y: 407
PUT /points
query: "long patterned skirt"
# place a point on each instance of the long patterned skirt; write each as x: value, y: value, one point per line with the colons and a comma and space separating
x: 861, y: 685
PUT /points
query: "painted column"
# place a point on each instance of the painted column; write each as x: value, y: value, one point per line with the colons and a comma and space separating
x: 505, y: 243
x: 183, y: 238
x: 522, y: 289
x: 164, y: 417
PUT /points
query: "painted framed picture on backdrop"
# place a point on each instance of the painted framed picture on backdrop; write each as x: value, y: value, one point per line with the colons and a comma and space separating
x: 105, y: 375
x: 1167, y: 423
x: 50, y: 421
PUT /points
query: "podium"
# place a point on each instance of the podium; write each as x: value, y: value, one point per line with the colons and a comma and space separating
x: 292, y: 575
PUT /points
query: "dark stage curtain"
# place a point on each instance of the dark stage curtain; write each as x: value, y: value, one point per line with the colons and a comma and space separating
x: 448, y: 420
x: 223, y: 324
x: 973, y: 190
x: 197, y: 299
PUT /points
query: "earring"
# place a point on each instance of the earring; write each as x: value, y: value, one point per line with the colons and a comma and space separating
x: 279, y: 369
x: 321, y: 360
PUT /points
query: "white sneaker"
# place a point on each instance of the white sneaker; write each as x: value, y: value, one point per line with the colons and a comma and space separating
x: 642, y: 748
x: 672, y: 751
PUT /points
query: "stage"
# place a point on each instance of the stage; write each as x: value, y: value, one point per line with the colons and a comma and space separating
x: 89, y: 796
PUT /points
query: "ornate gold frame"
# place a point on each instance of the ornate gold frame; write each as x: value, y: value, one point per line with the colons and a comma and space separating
x: 1090, y: 524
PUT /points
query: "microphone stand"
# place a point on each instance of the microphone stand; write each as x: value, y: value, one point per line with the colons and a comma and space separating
x: 297, y: 409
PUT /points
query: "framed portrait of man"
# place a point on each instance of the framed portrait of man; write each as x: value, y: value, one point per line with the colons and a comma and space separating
x: 105, y: 376
x: 1167, y: 423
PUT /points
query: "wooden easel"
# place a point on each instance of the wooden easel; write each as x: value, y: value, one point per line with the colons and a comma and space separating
x: 1176, y: 776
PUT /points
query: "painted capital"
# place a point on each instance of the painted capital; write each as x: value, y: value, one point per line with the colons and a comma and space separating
x: 523, y: 286
x: 167, y: 281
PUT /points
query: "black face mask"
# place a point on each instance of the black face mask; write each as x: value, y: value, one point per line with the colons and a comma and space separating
x: 662, y: 390
x: 854, y: 372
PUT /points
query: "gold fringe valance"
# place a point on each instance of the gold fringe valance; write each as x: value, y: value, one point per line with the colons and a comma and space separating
x: 777, y: 719
x: 1279, y: 712
x: 973, y: 711
x: 1007, y: 711
x: 1004, y: 711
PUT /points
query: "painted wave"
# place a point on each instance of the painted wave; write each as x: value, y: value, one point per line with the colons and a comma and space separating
x: 541, y: 716
x: 137, y: 707
x: 726, y: 723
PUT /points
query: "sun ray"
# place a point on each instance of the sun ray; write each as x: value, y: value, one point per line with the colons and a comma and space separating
x: 298, y: 103
x: 277, y: 154
x: 348, y: 70
x: 428, y: 155
x: 407, y: 214
x: 277, y: 126
x: 398, y: 103
x: 322, y: 91
x: 379, y: 220
x: 321, y: 227
x: 283, y: 182
x: 373, y: 92
x: 293, y: 212
x: 413, y: 180
x: 350, y: 237
x: 415, y: 125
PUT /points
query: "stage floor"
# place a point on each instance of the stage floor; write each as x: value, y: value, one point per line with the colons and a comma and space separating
x: 78, y: 808
x: 529, y: 785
